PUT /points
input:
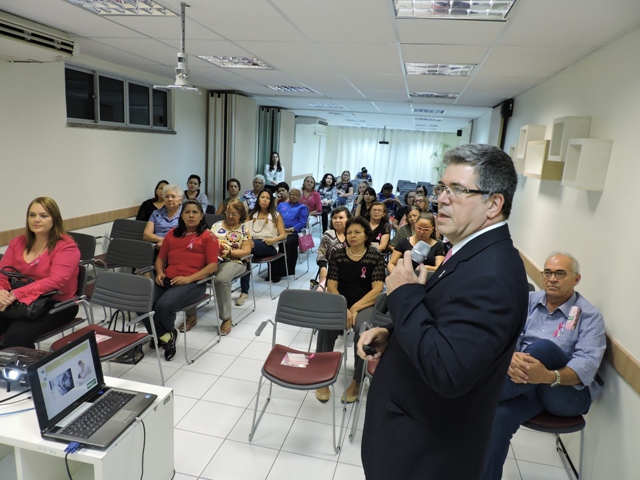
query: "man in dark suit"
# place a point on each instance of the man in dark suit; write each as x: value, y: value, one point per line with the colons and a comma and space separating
x: 434, y: 394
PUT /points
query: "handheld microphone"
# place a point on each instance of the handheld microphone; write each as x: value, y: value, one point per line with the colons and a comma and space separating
x: 420, y: 251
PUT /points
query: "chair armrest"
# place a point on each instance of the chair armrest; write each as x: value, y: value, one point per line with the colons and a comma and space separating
x: 58, y: 307
x: 142, y: 271
x: 206, y: 279
x: 262, y: 327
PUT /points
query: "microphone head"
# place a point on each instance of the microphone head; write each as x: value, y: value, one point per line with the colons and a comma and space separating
x: 420, y: 251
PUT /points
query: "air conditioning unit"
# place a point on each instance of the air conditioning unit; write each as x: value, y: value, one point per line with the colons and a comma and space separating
x: 25, y: 41
x: 302, y: 120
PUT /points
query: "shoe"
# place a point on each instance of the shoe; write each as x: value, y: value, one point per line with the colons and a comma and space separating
x: 189, y: 323
x: 152, y: 344
x: 352, y: 394
x: 170, y: 347
x: 323, y: 394
x: 225, y: 328
x: 241, y: 299
x: 275, y: 279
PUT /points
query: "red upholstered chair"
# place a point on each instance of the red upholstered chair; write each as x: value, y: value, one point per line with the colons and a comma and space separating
x: 120, y: 291
x: 269, y: 260
x: 304, y: 308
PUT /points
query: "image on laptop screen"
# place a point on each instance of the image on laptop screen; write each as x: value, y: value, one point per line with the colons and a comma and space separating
x: 66, y: 378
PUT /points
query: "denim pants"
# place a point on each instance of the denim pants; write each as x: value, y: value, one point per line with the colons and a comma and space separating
x: 168, y: 301
x: 260, y: 249
x: 520, y: 402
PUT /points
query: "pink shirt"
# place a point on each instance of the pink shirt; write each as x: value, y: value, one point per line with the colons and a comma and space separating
x: 313, y: 202
x: 57, y: 270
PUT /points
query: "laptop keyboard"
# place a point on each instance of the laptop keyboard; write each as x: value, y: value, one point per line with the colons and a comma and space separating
x: 97, y: 415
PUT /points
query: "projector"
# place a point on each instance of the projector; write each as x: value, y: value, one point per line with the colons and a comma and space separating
x: 383, y: 142
x: 14, y: 362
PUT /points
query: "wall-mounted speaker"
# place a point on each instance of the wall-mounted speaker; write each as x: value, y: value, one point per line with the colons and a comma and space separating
x: 459, y: 133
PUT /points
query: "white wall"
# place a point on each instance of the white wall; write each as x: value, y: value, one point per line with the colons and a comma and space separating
x: 600, y: 228
x: 86, y: 170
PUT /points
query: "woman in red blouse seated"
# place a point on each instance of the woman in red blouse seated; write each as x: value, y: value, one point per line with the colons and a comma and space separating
x: 50, y: 257
x: 310, y: 197
x: 189, y: 253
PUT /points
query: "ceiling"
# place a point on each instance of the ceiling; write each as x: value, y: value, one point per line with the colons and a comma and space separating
x: 351, y: 53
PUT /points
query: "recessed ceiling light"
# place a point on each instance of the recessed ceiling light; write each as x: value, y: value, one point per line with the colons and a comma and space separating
x: 341, y: 114
x: 424, y: 125
x: 426, y: 119
x: 495, y: 10
x: 438, y: 69
x: 449, y: 96
x: 431, y: 111
x: 290, y: 89
x: 124, y: 7
x: 236, y: 62
x: 354, y: 120
x: 326, y: 105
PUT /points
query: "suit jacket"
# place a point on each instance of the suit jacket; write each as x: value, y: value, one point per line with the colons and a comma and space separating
x: 434, y: 394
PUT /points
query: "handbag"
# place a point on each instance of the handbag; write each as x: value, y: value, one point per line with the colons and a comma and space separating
x: 19, y: 309
x: 305, y: 242
x: 133, y: 356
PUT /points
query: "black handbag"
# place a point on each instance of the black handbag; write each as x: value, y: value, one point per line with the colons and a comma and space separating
x: 19, y: 309
x: 133, y: 356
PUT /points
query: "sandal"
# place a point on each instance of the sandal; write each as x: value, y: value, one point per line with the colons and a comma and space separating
x: 225, y: 328
x: 190, y: 322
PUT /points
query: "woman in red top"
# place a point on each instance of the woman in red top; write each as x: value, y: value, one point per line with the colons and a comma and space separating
x: 189, y: 253
x: 49, y: 256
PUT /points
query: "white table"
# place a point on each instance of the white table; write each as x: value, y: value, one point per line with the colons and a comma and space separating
x: 25, y: 455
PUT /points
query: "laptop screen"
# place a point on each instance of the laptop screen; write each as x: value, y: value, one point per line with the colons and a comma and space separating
x: 63, y: 380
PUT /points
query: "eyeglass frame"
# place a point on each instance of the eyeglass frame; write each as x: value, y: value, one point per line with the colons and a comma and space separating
x: 450, y: 194
x: 547, y: 274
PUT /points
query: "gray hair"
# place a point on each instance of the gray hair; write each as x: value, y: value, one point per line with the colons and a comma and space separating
x: 575, y: 265
x: 172, y: 187
x: 494, y: 170
x: 259, y: 177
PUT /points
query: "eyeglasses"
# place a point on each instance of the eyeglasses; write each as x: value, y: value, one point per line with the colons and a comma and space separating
x: 423, y: 229
x: 559, y: 274
x: 232, y: 214
x: 455, y: 191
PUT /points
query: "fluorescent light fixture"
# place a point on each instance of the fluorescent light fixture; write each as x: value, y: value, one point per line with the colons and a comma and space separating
x: 341, y: 114
x: 236, y: 62
x: 438, y: 69
x: 430, y: 111
x: 290, y: 89
x: 424, y: 125
x: 495, y: 10
x: 447, y: 96
x: 124, y: 7
x: 354, y: 120
x: 426, y: 119
x: 326, y: 105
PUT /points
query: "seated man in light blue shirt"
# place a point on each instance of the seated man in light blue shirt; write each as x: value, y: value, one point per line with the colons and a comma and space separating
x: 556, y: 360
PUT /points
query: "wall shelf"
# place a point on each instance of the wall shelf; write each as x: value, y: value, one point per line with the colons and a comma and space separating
x: 586, y: 163
x: 564, y: 129
x: 517, y: 163
x: 528, y: 133
x: 537, y: 165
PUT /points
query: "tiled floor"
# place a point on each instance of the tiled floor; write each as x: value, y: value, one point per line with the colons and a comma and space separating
x: 214, y: 399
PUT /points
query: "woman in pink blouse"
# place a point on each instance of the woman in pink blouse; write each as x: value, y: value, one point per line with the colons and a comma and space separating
x: 50, y: 257
x: 310, y: 197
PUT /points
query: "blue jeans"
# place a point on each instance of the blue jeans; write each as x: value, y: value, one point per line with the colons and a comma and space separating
x: 260, y: 249
x: 520, y: 402
x: 168, y: 301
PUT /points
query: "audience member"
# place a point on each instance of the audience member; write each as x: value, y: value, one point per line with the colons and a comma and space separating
x: 368, y: 198
x: 332, y: 240
x: 380, y: 231
x: 274, y: 171
x: 235, y: 244
x: 387, y: 197
x: 357, y: 273
x: 329, y: 195
x: 363, y: 174
x: 425, y: 232
x: 295, y: 216
x: 193, y: 192
x: 556, y: 360
x: 421, y: 202
x: 407, y: 230
x: 165, y: 218
x: 250, y: 196
x: 50, y: 257
x: 310, y: 197
x: 345, y: 188
x: 189, y: 253
x: 233, y: 189
x: 266, y: 228
x: 152, y: 204
x: 359, y: 197
x: 400, y: 219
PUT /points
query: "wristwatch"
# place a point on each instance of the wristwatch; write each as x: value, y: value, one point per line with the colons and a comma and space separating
x: 557, y: 382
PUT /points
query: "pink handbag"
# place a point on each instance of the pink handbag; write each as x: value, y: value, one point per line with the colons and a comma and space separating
x: 305, y: 242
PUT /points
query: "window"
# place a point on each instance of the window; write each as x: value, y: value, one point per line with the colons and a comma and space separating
x: 100, y: 98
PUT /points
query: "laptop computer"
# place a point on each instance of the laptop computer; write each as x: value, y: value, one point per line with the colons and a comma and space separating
x: 72, y: 402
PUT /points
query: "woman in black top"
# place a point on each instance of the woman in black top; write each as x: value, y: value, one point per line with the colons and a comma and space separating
x: 357, y: 273
x: 148, y: 206
x: 426, y: 232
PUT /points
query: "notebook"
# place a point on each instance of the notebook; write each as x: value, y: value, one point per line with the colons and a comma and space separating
x: 72, y: 402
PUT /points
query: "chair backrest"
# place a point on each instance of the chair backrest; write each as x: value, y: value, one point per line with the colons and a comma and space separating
x: 123, y: 291
x: 125, y: 228
x: 86, y: 245
x: 311, y: 309
x: 212, y: 218
x: 82, y: 281
x: 405, y: 185
x: 130, y: 253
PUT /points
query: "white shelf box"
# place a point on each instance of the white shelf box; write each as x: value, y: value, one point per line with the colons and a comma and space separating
x: 517, y: 163
x: 537, y: 165
x: 586, y: 163
x: 528, y: 133
x: 564, y: 129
